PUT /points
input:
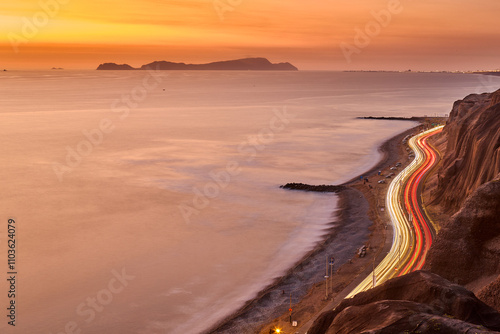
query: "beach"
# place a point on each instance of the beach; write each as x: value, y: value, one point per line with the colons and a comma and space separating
x: 359, y: 222
x: 117, y: 206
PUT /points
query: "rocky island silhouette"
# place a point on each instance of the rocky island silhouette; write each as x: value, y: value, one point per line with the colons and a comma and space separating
x: 245, y: 64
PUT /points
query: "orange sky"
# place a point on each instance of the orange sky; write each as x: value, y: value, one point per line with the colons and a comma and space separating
x: 420, y: 34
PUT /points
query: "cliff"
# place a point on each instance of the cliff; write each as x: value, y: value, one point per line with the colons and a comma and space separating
x: 490, y: 294
x: 420, y: 302
x: 474, y: 233
x: 472, y: 155
x: 469, y: 182
x: 246, y: 64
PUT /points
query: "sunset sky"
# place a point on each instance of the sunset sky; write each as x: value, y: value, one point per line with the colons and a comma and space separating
x: 419, y: 35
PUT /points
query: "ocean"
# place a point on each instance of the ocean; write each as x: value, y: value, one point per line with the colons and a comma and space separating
x: 149, y: 202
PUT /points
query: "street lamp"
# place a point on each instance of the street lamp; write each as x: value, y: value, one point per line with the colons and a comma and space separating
x: 332, y: 262
x: 326, y: 278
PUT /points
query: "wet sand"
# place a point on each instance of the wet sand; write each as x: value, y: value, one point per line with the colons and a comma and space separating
x: 360, y: 220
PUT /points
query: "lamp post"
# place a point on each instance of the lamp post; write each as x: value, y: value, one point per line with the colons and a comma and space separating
x: 326, y: 277
x: 332, y: 262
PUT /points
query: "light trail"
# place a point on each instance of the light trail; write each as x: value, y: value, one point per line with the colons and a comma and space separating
x: 413, y: 206
x: 412, y: 237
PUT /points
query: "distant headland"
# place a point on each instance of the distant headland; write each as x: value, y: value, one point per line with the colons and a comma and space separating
x: 246, y: 64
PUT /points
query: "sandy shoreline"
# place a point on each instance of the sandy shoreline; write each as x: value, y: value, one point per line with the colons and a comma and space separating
x: 271, y: 302
x: 357, y: 221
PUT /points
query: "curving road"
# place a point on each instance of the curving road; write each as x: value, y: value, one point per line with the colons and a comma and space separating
x: 424, y: 229
x: 413, y: 230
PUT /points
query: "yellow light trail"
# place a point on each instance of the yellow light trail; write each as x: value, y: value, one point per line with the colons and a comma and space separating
x: 404, y: 240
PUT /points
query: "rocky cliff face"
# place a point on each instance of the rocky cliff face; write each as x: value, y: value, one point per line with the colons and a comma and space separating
x: 472, y: 156
x: 468, y: 246
x: 467, y: 249
x: 420, y: 302
x: 490, y: 294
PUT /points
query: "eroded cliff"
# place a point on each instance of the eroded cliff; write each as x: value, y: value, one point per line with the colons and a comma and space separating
x: 420, y: 302
x: 472, y: 155
x: 468, y: 246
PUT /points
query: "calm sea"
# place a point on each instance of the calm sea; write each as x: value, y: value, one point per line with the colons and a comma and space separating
x: 150, y: 203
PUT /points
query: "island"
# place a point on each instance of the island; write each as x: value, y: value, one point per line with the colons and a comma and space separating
x: 246, y: 64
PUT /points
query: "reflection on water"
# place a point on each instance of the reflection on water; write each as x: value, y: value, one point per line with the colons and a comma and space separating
x: 182, y: 193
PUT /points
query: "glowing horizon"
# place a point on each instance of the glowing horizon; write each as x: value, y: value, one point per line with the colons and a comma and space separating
x: 420, y: 35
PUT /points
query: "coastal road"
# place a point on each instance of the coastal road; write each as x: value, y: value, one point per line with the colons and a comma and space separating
x: 424, y: 229
x: 413, y: 231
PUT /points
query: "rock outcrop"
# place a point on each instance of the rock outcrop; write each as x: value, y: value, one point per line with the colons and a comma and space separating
x: 469, y: 181
x: 324, y: 188
x: 115, y: 67
x: 246, y: 64
x: 472, y: 155
x: 468, y: 245
x: 420, y: 302
x: 490, y: 294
